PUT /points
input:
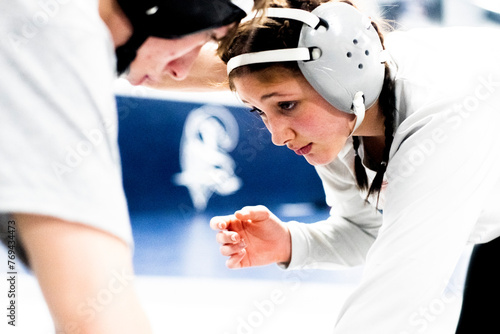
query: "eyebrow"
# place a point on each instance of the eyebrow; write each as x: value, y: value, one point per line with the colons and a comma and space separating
x: 268, y: 96
x: 275, y: 94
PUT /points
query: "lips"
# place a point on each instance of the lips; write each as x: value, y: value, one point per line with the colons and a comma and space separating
x: 304, y: 150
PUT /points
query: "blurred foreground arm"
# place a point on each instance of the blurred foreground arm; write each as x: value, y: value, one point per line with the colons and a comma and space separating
x: 85, y: 275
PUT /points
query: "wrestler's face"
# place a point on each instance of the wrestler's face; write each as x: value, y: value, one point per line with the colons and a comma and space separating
x: 295, y: 114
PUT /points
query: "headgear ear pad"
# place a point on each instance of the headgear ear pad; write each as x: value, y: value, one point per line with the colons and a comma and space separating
x: 350, y: 59
x: 339, y: 53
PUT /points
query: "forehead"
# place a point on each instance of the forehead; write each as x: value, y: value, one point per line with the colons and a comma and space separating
x: 266, y: 72
x: 256, y: 87
x: 270, y: 76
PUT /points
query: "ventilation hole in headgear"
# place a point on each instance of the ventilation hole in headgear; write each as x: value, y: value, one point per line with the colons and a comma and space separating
x: 360, y: 66
x: 367, y: 52
x: 355, y: 41
x: 349, y: 54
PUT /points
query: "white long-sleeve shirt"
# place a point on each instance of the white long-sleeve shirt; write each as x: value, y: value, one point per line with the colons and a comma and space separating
x: 442, y: 189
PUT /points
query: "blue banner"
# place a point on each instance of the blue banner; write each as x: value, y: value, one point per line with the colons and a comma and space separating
x: 186, y: 156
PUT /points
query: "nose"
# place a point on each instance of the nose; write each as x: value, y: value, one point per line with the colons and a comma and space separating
x: 280, y: 129
x: 179, y: 68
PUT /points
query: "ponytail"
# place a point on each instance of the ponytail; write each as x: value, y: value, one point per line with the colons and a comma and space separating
x: 387, y: 103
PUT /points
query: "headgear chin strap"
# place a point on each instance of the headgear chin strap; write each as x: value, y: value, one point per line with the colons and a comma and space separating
x: 339, y: 53
x: 359, y: 109
x: 173, y: 19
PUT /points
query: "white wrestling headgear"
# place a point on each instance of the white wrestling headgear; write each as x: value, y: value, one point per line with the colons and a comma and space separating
x: 339, y: 53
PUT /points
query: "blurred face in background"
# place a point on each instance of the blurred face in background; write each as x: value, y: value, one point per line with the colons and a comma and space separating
x: 159, y: 57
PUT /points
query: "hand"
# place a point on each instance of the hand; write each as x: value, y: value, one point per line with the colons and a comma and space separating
x: 253, y: 236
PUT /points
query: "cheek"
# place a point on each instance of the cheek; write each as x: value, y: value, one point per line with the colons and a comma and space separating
x: 321, y: 119
x: 321, y: 128
x: 337, y: 124
x: 329, y: 135
x: 155, y: 50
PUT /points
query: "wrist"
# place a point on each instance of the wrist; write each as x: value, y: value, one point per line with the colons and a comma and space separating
x: 285, y: 247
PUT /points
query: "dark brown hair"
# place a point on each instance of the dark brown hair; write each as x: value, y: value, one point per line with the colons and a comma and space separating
x: 258, y: 6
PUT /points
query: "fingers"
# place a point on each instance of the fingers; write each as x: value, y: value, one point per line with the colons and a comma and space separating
x: 222, y: 222
x: 233, y: 246
x: 232, y: 249
x: 227, y: 237
x: 234, y: 262
x: 254, y: 213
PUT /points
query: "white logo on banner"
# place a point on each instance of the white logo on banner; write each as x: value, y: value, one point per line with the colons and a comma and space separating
x: 210, y: 132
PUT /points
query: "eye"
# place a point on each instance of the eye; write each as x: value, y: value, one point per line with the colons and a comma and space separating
x: 287, y: 105
x: 218, y: 34
x: 257, y: 111
x: 214, y: 37
x: 211, y: 36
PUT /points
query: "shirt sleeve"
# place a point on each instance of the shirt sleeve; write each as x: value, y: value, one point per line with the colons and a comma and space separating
x: 439, y: 179
x: 344, y: 239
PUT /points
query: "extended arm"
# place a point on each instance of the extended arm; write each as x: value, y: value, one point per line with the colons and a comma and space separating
x: 85, y: 275
x: 254, y: 236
